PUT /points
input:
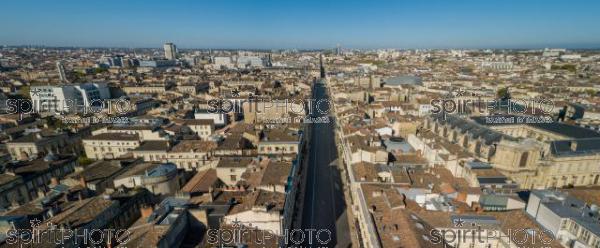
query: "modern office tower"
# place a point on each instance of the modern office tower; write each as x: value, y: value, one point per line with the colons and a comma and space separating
x: 61, y: 72
x: 113, y: 61
x: 63, y: 98
x: 269, y: 61
x: 170, y: 51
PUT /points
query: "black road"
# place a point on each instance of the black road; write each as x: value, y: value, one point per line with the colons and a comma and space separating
x: 324, y: 206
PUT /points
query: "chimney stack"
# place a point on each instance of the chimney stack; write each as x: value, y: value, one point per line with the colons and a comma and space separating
x: 82, y: 182
x: 573, y: 145
x: 146, y: 210
x: 54, y: 181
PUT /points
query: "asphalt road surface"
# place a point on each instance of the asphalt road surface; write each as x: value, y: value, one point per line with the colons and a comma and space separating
x: 324, y: 206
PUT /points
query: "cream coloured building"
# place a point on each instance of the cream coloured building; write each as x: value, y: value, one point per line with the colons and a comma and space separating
x: 204, y: 128
x: 279, y: 142
x: 145, y: 89
x: 110, y: 145
x: 145, y: 132
x: 31, y: 145
x: 230, y: 170
x: 186, y: 154
x: 539, y: 155
x: 263, y: 211
x: 265, y: 111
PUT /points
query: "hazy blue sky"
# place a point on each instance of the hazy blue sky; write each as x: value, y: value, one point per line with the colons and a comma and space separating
x: 302, y: 24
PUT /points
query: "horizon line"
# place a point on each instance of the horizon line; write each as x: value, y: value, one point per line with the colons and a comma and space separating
x: 533, y: 47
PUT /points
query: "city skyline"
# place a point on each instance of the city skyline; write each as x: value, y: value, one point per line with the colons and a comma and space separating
x: 303, y: 25
x: 263, y: 123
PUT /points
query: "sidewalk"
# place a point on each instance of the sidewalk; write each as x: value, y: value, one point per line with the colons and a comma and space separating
x: 345, y: 181
x: 300, y: 193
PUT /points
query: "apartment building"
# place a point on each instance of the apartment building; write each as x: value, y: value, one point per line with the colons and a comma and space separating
x: 35, y: 144
x: 24, y: 181
x: 204, y: 128
x: 541, y: 155
x: 279, y: 142
x: 573, y: 222
x: 110, y: 145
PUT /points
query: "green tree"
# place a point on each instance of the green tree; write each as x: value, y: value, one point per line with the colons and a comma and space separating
x: 55, y: 123
x: 24, y: 91
x: 84, y: 161
x: 100, y: 70
x: 568, y: 67
x: 503, y: 93
x: 591, y: 92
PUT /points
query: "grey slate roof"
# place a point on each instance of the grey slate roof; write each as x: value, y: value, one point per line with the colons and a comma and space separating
x: 584, y: 147
x: 572, y: 208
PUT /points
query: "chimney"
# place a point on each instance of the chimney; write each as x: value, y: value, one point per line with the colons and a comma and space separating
x: 211, y: 194
x: 54, y: 181
x: 146, y: 210
x: 573, y: 145
x: 82, y: 182
x: 377, y: 193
